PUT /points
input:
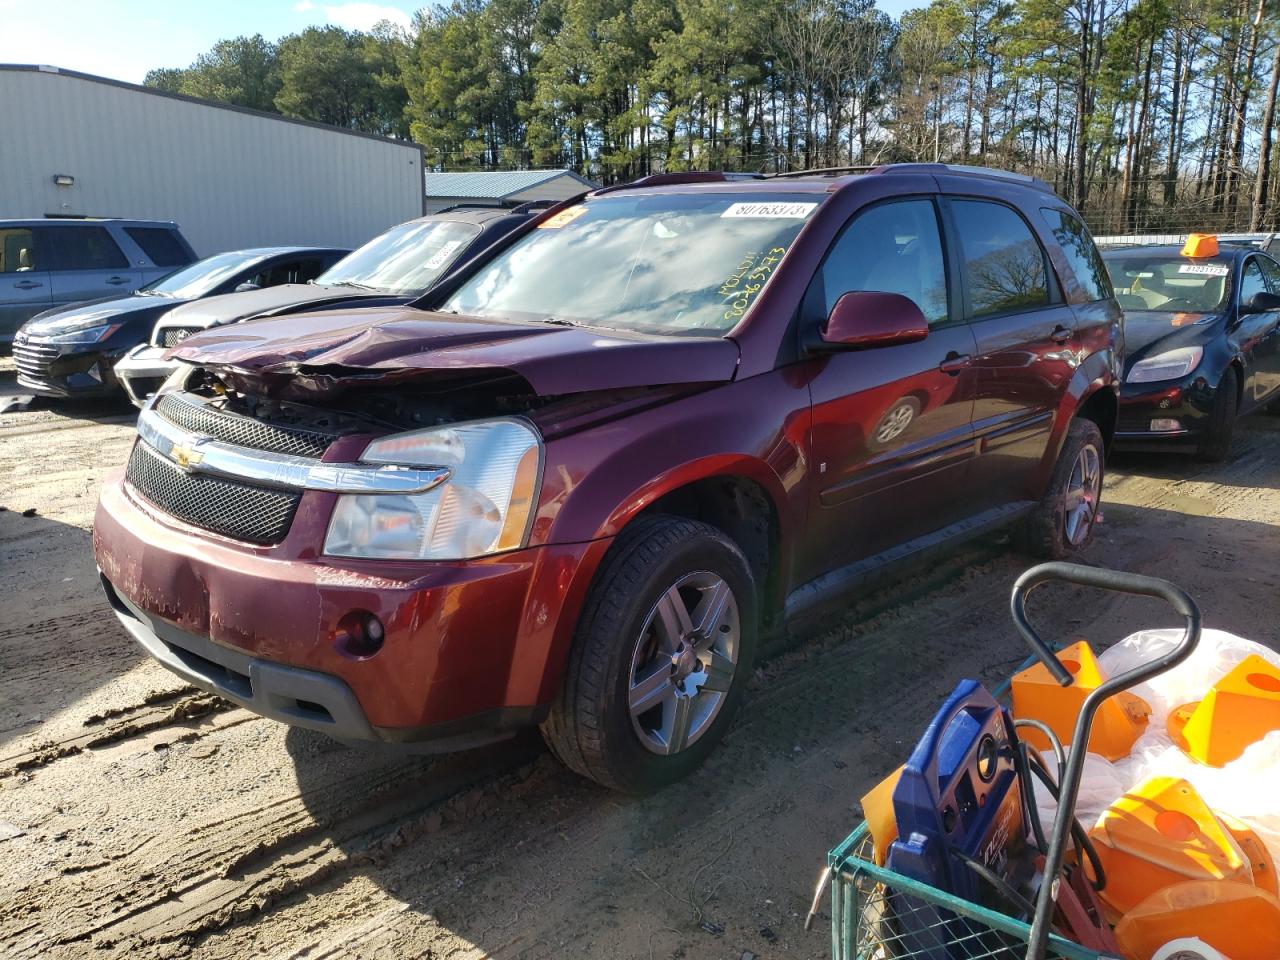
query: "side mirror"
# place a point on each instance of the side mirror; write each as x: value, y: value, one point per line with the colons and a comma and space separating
x: 247, y: 286
x: 1261, y: 302
x: 868, y: 318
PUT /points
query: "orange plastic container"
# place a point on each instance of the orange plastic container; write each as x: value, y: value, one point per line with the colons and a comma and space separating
x: 1159, y: 834
x: 1200, y: 245
x: 877, y: 811
x: 1261, y: 864
x: 1240, y: 921
x: 1037, y: 696
x: 1240, y: 709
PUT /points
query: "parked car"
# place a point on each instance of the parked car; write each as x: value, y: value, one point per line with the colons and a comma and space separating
x: 394, y: 267
x: 1202, y: 341
x: 71, y: 351
x: 47, y: 263
x: 574, y: 483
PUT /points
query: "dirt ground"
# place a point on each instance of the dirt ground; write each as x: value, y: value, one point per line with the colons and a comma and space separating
x: 141, y: 818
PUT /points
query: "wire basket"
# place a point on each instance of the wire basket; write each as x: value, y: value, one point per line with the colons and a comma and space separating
x: 869, y: 905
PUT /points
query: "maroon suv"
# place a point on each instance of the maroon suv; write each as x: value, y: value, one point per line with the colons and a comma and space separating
x: 575, y: 483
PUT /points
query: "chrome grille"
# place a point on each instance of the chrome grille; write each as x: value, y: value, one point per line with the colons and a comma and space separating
x: 242, y: 431
x: 172, y: 336
x: 238, y: 510
x: 34, y: 359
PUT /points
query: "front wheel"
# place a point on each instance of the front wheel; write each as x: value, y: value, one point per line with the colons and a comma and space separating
x: 660, y: 657
x: 1063, y: 521
x: 1222, y: 419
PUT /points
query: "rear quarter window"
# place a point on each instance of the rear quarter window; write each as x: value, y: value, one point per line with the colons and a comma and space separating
x: 1081, y: 253
x: 160, y: 245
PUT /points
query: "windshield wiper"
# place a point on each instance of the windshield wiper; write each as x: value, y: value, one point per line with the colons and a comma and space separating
x: 560, y: 322
x: 358, y: 286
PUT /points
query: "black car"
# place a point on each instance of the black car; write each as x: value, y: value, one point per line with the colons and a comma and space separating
x: 394, y: 267
x: 1202, y: 341
x: 70, y: 351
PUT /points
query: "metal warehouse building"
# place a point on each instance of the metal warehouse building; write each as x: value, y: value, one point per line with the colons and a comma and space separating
x: 502, y: 187
x: 79, y: 145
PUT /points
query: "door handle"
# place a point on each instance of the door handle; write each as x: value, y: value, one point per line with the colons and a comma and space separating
x: 116, y: 281
x: 954, y: 362
x: 1061, y: 334
x: 28, y: 284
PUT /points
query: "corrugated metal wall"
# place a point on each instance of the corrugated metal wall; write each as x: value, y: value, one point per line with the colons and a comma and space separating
x: 230, y: 179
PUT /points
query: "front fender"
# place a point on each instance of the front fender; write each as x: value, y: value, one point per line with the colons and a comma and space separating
x: 1096, y: 372
x: 598, y: 480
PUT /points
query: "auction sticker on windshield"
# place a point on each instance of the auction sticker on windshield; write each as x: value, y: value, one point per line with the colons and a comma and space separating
x: 441, y: 256
x: 772, y: 211
x: 1207, y: 269
x: 562, y: 218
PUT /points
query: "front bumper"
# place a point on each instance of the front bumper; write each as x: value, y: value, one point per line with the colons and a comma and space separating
x: 472, y: 649
x: 142, y: 370
x: 64, y: 370
x: 1188, y: 401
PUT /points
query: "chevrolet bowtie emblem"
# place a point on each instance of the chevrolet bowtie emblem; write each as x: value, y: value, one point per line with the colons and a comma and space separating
x: 185, y: 457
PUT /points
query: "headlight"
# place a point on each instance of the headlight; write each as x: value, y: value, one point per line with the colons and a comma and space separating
x: 85, y: 335
x: 484, y: 507
x: 1166, y: 366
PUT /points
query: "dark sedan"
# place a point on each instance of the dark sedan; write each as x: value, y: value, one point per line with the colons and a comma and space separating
x: 1202, y: 341
x: 70, y: 351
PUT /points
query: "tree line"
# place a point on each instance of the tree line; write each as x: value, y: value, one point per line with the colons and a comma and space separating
x: 1147, y: 114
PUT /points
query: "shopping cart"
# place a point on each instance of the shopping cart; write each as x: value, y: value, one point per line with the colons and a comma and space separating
x: 867, y: 900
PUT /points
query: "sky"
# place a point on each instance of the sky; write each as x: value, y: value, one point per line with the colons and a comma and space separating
x: 123, y: 39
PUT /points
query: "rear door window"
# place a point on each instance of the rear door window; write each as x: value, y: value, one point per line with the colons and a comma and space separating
x: 162, y: 246
x: 893, y: 247
x: 1081, y: 253
x: 86, y: 248
x: 1003, y: 263
x: 18, y: 253
x: 1271, y: 270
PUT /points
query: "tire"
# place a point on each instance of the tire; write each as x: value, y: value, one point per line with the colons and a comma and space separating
x: 625, y: 649
x: 1063, y: 521
x: 1222, y: 419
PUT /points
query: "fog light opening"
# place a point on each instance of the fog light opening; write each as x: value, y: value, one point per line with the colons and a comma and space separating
x: 1165, y: 425
x: 360, y: 634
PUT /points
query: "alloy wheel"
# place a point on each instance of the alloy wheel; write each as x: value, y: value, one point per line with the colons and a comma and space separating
x: 684, y: 662
x: 1080, y: 503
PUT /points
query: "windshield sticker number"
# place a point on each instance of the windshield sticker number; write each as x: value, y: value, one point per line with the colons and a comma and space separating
x: 1205, y: 269
x: 562, y: 218
x: 747, y: 279
x: 771, y: 211
x: 441, y: 256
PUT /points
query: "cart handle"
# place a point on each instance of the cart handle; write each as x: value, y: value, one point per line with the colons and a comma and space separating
x: 1116, y: 581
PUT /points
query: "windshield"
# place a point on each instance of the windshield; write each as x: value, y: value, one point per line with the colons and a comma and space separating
x: 1169, y: 282
x: 686, y: 264
x: 405, y: 260
x: 202, y: 277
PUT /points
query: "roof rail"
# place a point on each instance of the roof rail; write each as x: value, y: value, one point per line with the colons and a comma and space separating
x: 682, y: 176
x: 966, y: 169
x: 813, y: 171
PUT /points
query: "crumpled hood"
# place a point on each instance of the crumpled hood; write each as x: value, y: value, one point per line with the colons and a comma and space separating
x: 319, y: 352
x: 232, y: 307
x: 1151, y: 332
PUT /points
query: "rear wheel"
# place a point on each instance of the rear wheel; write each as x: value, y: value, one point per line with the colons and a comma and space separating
x: 660, y: 656
x: 1063, y: 521
x: 1222, y: 419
